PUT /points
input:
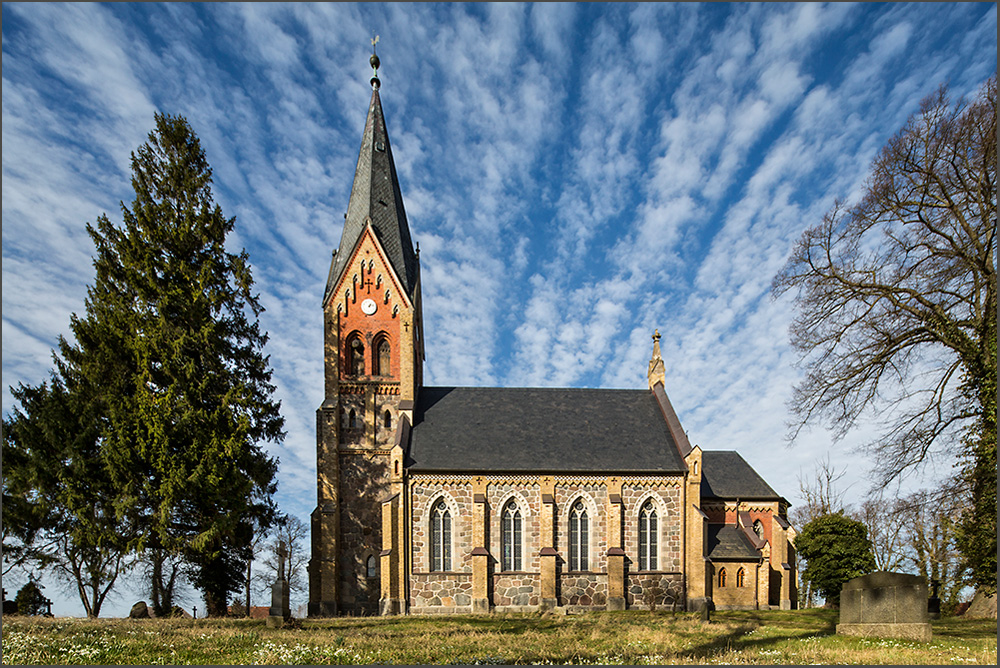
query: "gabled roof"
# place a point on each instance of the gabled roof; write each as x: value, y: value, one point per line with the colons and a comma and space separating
x: 726, y: 475
x: 726, y: 542
x: 376, y: 195
x: 493, y: 429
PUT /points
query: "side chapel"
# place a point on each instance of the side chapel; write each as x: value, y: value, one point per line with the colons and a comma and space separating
x: 475, y: 499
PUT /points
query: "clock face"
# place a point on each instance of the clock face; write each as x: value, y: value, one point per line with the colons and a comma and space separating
x: 368, y: 306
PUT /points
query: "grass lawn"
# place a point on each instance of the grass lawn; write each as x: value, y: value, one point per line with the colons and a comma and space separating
x: 631, y: 637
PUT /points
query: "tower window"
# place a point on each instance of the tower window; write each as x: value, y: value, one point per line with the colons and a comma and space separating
x: 648, y: 543
x: 511, y: 537
x: 758, y: 528
x: 387, y: 420
x: 356, y: 356
x: 381, y: 364
x: 352, y: 420
x: 579, y: 538
x: 440, y: 537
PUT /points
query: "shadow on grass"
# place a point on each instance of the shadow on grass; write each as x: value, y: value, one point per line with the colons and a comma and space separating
x: 964, y: 629
x: 782, y: 627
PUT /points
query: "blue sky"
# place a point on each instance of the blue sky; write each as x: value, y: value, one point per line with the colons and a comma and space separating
x: 577, y: 175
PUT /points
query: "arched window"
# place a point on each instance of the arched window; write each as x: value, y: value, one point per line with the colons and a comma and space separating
x: 372, y: 569
x: 648, y: 543
x: 355, y: 356
x: 758, y: 528
x: 740, y: 577
x: 387, y: 420
x: 440, y: 537
x: 511, y: 537
x: 380, y: 363
x: 722, y: 577
x: 579, y: 537
x: 352, y: 420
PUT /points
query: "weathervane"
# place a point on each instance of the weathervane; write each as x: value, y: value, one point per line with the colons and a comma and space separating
x: 375, y: 63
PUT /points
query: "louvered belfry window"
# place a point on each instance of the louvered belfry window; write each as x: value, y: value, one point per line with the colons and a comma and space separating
x: 440, y: 538
x: 648, y: 542
x: 511, y: 537
x: 579, y: 538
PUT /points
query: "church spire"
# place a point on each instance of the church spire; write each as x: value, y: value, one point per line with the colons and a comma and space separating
x: 656, y: 373
x: 376, y: 199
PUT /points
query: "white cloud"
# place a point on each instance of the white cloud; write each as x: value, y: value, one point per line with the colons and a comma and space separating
x: 576, y: 175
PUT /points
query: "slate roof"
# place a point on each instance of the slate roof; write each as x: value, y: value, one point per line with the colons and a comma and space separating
x: 726, y: 475
x: 726, y: 542
x: 492, y: 429
x: 376, y: 194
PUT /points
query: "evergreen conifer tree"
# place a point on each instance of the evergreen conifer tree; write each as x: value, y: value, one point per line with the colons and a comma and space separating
x: 171, y: 342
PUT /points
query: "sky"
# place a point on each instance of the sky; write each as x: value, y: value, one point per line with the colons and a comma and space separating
x: 576, y: 175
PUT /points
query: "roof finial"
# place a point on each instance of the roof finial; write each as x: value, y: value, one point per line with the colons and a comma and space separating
x: 375, y: 63
x: 656, y: 373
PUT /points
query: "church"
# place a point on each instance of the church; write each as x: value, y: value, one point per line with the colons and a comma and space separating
x: 481, y: 499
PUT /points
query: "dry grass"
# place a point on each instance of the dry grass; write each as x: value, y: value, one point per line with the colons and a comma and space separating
x: 631, y: 637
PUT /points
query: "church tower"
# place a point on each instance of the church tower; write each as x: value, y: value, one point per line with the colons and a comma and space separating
x: 373, y: 362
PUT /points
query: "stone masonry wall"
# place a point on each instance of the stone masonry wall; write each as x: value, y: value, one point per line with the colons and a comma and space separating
x: 666, y: 589
x: 423, y: 494
x: 364, y: 480
x: 516, y: 589
x: 583, y: 589
x: 440, y: 590
x: 671, y: 556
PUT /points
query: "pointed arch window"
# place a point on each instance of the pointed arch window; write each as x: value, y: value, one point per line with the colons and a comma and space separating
x: 511, y: 537
x: 741, y: 578
x: 648, y: 543
x: 381, y: 365
x: 352, y: 420
x: 355, y: 355
x: 579, y: 537
x: 371, y: 567
x: 722, y: 577
x: 440, y: 537
x: 758, y: 528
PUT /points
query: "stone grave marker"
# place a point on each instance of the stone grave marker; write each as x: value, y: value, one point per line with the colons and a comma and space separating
x: 885, y: 605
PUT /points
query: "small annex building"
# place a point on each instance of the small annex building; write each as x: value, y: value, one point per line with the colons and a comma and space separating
x: 477, y: 499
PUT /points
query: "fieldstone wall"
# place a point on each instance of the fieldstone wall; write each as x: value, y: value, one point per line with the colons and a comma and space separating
x: 458, y: 495
x: 665, y: 589
x: 529, y: 499
x: 440, y: 590
x: 667, y: 498
x: 595, y: 497
x: 516, y: 589
x: 364, y: 482
x: 583, y: 589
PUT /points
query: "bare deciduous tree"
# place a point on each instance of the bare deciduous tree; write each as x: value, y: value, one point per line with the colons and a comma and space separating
x: 898, y: 309
x: 293, y: 532
x: 897, y: 293
x: 820, y: 494
x: 887, y: 522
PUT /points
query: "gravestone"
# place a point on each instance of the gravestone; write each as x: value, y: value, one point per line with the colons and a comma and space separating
x: 934, y: 602
x: 139, y: 611
x: 280, y: 610
x: 885, y: 605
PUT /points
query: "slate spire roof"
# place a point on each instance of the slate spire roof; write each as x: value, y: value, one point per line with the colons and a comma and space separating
x: 376, y: 196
